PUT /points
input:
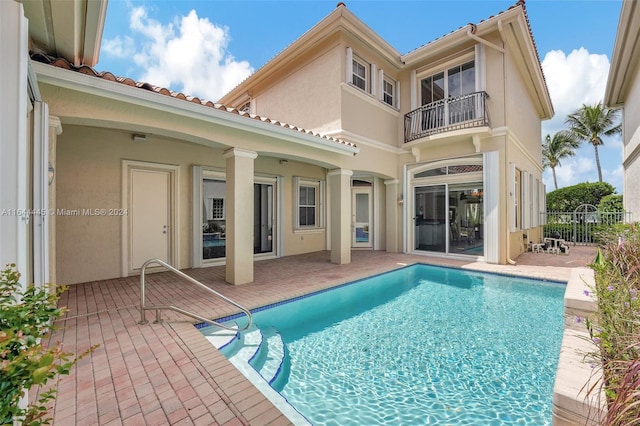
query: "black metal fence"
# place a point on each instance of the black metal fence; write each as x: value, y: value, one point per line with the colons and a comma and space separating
x: 581, y: 226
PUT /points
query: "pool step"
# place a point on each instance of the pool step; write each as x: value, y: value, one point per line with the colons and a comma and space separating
x: 226, y: 341
x: 271, y: 356
x: 260, y: 350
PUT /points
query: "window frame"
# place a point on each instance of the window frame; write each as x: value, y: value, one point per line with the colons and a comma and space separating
x: 318, y: 185
x: 366, y: 66
x: 219, y: 209
x: 386, y: 80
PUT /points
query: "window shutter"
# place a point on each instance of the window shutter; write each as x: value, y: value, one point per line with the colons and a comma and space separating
x: 512, y: 197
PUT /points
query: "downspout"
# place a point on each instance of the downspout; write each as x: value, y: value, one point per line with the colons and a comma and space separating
x: 506, y: 146
x: 471, y: 30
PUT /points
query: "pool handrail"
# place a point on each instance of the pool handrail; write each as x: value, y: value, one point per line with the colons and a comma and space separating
x: 144, y: 307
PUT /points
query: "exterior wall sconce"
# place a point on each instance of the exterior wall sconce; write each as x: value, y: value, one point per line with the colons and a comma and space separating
x: 401, y: 200
x: 51, y: 173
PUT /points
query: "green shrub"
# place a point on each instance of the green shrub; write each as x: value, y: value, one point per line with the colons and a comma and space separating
x: 611, y: 203
x: 571, y: 197
x: 26, y: 317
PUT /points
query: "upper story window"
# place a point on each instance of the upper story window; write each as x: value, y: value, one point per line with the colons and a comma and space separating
x: 389, y: 91
x: 455, y: 81
x: 360, y: 76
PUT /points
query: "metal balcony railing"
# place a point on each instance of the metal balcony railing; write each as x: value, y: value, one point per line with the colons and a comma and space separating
x: 455, y: 113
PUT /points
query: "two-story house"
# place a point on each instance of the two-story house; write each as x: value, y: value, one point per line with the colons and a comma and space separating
x: 338, y: 143
x: 452, y: 130
x: 623, y: 91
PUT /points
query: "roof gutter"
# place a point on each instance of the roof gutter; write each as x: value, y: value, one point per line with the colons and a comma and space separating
x: 471, y: 33
x: 95, y: 86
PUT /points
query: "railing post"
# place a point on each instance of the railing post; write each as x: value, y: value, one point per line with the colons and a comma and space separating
x: 143, y: 319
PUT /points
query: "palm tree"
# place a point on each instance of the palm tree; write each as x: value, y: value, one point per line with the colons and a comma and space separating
x: 563, y: 144
x: 591, y: 123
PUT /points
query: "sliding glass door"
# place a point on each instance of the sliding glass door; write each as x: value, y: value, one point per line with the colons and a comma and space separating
x: 447, y: 207
x: 430, y: 220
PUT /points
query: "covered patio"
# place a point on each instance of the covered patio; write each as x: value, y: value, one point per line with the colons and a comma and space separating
x: 168, y: 373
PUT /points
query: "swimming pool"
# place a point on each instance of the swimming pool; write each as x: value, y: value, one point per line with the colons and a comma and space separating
x: 419, y: 345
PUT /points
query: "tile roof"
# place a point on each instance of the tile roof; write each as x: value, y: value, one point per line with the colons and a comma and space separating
x: 519, y: 3
x: 106, y: 75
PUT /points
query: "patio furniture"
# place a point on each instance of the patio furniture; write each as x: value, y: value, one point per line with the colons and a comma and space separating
x: 536, y: 247
x: 556, y: 245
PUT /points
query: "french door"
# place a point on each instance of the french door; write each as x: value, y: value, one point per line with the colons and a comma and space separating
x: 361, y: 217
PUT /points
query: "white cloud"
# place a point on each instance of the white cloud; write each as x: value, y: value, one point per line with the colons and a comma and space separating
x: 118, y: 47
x: 573, y: 80
x: 188, y: 55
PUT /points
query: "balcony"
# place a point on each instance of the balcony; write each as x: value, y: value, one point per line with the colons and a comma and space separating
x: 445, y: 115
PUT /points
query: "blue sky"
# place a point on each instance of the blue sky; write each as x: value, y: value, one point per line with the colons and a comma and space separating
x: 204, y: 48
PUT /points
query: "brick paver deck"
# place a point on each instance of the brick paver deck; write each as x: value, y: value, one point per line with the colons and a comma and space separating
x: 168, y: 373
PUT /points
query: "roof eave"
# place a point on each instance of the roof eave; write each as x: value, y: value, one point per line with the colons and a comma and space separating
x: 626, y: 51
x: 90, y: 85
x: 341, y: 19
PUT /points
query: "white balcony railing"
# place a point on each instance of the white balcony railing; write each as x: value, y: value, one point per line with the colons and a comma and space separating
x: 455, y: 113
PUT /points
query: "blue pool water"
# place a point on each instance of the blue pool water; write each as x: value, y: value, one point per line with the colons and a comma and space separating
x: 422, y: 345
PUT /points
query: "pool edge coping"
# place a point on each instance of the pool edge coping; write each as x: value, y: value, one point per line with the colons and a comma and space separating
x: 576, y: 374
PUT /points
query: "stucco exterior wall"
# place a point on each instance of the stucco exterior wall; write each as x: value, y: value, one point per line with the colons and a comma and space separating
x: 631, y: 152
x: 308, y: 96
x: 368, y: 117
x: 88, y: 176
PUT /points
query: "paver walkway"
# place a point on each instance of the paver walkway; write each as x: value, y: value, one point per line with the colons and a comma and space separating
x: 168, y: 373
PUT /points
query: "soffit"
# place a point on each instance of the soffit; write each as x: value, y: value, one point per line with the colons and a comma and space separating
x: 70, y: 29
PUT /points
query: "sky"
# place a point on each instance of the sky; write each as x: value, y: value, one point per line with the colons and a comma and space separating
x: 205, y: 48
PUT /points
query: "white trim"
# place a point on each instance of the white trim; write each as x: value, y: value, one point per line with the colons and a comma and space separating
x: 196, y: 217
x: 320, y: 218
x: 14, y: 106
x: 511, y: 202
x: 480, y: 68
x: 174, y: 209
x: 361, y: 140
x: 526, y: 200
x: 41, y: 217
x: 373, y: 86
x: 239, y: 152
x: 414, y: 90
x: 349, y: 66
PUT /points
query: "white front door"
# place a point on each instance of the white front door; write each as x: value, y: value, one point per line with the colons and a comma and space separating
x: 361, y: 208
x: 150, y: 216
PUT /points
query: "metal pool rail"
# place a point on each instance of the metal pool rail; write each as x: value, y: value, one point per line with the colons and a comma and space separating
x: 144, y: 307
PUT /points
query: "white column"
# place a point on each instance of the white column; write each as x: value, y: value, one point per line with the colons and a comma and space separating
x: 494, y: 226
x: 14, y: 172
x: 340, y: 213
x: 239, y: 215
